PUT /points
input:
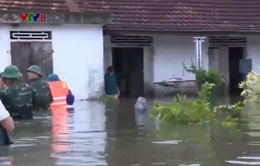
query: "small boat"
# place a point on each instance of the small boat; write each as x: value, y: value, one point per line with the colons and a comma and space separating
x: 175, y: 82
x: 175, y: 79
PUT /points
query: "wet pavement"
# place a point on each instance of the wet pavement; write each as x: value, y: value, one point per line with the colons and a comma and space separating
x: 113, y: 134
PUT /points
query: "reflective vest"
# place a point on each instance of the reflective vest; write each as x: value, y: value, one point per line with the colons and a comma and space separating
x: 59, y: 91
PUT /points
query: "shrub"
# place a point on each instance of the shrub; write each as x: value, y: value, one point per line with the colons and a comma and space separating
x: 185, y: 111
x: 251, y: 88
x: 202, y: 76
x: 182, y: 110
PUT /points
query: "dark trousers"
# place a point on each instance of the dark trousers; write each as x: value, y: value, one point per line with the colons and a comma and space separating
x: 4, y: 137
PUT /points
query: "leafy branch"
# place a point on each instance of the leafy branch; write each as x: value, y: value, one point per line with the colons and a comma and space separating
x: 202, y: 76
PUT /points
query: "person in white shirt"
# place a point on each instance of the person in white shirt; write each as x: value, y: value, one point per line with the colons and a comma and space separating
x: 5, y: 119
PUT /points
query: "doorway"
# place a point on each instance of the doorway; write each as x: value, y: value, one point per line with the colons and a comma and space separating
x: 235, y: 77
x: 128, y: 65
x: 25, y: 54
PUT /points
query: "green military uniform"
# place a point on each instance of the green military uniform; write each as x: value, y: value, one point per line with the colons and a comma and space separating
x: 43, y: 96
x: 17, y: 97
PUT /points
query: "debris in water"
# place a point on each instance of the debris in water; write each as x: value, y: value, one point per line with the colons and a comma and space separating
x: 168, y: 142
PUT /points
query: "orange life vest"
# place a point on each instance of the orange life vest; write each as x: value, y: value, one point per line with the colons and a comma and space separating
x: 59, y: 91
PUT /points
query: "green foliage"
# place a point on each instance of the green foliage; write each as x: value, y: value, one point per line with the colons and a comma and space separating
x: 231, y: 110
x: 182, y: 110
x: 203, y: 76
x: 232, y: 113
x: 251, y: 88
x: 185, y: 111
x: 106, y: 98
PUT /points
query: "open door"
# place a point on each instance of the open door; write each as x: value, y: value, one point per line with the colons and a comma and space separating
x: 129, y: 68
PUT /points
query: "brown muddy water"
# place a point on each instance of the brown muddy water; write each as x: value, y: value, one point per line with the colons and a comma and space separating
x: 113, y: 134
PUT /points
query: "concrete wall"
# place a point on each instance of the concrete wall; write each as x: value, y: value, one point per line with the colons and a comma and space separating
x: 164, y: 58
x: 77, y: 58
x: 253, y: 51
x: 168, y: 53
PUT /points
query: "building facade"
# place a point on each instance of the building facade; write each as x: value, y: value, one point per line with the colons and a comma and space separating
x: 146, y: 42
x: 69, y: 43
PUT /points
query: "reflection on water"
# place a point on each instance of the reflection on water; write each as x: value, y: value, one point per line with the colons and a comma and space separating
x: 81, y: 136
x: 60, y: 129
x: 114, y: 134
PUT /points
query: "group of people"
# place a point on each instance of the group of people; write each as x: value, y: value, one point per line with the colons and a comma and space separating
x: 19, y: 99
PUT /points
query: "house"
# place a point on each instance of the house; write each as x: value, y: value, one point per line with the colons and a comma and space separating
x: 69, y: 42
x: 146, y: 42
x: 164, y: 32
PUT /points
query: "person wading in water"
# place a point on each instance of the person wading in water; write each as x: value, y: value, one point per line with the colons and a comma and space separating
x: 43, y: 96
x: 6, y: 122
x: 17, y: 97
x: 62, y: 95
x: 111, y: 88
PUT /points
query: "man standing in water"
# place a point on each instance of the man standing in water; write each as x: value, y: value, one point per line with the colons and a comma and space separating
x: 43, y: 96
x: 17, y: 97
x: 111, y: 88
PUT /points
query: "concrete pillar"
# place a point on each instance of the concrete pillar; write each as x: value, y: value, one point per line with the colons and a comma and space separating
x: 223, y: 65
x: 219, y: 59
x: 213, y: 58
x: 148, y: 71
x: 107, y: 58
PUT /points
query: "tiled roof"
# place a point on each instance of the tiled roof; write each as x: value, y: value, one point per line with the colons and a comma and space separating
x: 34, y: 5
x: 179, y: 15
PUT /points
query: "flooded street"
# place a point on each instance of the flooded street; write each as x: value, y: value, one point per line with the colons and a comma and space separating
x: 113, y: 134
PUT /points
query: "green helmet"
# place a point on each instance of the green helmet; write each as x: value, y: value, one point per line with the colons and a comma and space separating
x: 11, y: 72
x: 35, y: 69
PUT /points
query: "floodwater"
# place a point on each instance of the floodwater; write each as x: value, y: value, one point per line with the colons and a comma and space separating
x: 113, y: 134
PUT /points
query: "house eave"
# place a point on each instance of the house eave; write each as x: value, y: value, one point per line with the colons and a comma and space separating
x: 13, y: 17
x: 178, y: 33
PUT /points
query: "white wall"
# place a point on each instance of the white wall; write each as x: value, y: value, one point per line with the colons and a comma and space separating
x: 170, y: 51
x: 253, y: 51
x: 77, y: 58
x: 168, y: 54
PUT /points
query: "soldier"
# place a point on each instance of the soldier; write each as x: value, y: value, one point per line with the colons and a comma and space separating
x: 17, y: 97
x: 43, y: 96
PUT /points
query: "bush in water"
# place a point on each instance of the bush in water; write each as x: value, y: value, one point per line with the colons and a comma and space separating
x: 251, y: 88
x: 202, y: 76
x: 185, y: 111
x: 232, y: 111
